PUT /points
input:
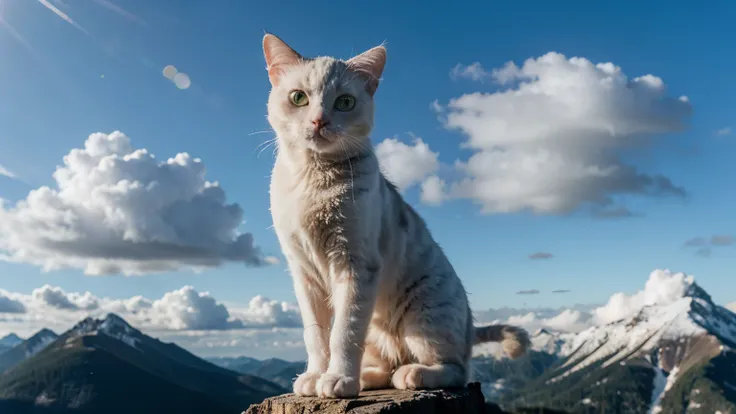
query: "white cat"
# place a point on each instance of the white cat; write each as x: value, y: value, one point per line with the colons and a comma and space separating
x: 380, y: 302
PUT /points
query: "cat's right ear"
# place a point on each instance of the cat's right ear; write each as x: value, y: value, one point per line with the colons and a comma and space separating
x: 278, y: 56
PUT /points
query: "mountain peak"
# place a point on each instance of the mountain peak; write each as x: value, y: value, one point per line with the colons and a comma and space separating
x: 112, y: 325
x: 10, y: 340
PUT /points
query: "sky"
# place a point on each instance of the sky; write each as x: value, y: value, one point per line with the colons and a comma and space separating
x: 559, y: 153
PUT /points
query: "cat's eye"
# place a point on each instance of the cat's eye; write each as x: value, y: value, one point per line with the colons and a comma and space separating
x: 298, y: 98
x: 345, y: 103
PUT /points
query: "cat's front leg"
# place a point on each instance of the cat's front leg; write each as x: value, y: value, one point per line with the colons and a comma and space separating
x: 353, y: 298
x: 316, y: 315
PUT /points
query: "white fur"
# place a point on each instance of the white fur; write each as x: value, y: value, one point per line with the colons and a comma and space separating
x: 380, y: 302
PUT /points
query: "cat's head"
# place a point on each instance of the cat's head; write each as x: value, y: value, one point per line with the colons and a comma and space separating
x: 322, y: 104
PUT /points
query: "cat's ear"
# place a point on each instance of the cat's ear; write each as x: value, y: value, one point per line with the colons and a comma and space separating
x: 278, y: 56
x: 370, y: 64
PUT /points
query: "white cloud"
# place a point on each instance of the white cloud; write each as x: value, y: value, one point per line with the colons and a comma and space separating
x: 567, y: 320
x: 406, y: 165
x: 723, y: 132
x: 55, y: 297
x: 119, y: 210
x: 432, y: 190
x: 732, y: 307
x: 184, y: 309
x: 555, y: 140
x: 662, y: 288
x: 7, y: 173
x: 262, y: 312
x: 188, y: 309
x: 474, y: 71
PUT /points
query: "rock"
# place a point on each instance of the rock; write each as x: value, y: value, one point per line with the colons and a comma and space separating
x: 391, y: 401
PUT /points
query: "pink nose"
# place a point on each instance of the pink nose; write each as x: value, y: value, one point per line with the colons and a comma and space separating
x: 320, y: 123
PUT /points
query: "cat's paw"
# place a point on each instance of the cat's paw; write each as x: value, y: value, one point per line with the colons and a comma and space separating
x: 306, y: 384
x: 337, y: 386
x: 409, y: 377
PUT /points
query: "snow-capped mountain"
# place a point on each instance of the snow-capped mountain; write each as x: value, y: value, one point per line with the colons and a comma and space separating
x: 673, y: 355
x: 106, y: 365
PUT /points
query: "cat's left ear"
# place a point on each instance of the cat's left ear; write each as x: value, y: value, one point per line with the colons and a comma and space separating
x: 278, y: 56
x: 370, y: 65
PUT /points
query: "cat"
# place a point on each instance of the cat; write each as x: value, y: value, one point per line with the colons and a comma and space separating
x: 380, y: 303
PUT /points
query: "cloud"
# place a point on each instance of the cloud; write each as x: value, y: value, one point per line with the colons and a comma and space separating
x: 731, y: 307
x: 722, y: 240
x: 705, y: 245
x: 723, y: 132
x: 406, y: 165
x: 262, y: 312
x: 697, y: 241
x: 474, y: 71
x: 704, y: 252
x: 567, y: 320
x: 7, y: 173
x: 528, y: 292
x: 188, y: 309
x: 183, y: 309
x: 555, y: 139
x: 272, y: 260
x: 662, y: 288
x: 541, y: 256
x: 9, y: 304
x: 561, y: 291
x: 55, y: 297
x: 119, y: 210
x: 432, y: 190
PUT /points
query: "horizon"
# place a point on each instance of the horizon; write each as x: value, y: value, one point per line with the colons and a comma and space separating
x: 615, y: 152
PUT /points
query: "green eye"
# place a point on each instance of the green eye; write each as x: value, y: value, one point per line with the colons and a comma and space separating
x: 299, y: 98
x: 345, y: 103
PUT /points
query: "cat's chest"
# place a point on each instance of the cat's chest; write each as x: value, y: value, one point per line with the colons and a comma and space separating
x: 310, y: 221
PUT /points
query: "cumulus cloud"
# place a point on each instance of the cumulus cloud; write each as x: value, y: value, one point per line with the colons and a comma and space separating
x: 262, y: 312
x: 662, y: 288
x: 188, y: 309
x: 723, y: 132
x: 184, y: 309
x: 406, y: 165
x: 432, y: 190
x: 7, y: 173
x: 528, y: 292
x: 541, y: 256
x: 117, y: 209
x: 555, y: 138
x: 55, y: 297
x: 9, y: 304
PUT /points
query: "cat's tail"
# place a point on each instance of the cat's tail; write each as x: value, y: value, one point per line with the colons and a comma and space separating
x: 514, y: 340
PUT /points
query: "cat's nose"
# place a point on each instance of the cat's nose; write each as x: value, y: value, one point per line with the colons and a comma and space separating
x: 320, y: 123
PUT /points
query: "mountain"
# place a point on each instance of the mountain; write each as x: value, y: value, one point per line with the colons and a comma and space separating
x: 26, y: 349
x: 677, y: 357
x: 275, y: 370
x: 10, y: 340
x: 107, y: 366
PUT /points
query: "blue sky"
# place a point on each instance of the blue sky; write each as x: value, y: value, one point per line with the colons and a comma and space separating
x: 62, y: 82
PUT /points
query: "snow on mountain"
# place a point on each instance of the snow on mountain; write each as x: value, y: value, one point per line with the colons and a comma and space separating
x: 10, y: 340
x: 39, y: 342
x: 112, y: 326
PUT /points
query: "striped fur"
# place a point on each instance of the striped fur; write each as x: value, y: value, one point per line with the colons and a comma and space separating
x: 381, y: 304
